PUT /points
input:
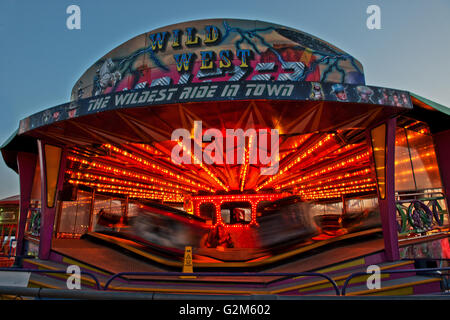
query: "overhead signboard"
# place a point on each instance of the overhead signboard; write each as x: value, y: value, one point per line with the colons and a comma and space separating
x: 218, y: 50
x: 220, y: 91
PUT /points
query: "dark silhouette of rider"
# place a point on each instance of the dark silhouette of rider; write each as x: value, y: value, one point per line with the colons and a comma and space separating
x: 218, y: 237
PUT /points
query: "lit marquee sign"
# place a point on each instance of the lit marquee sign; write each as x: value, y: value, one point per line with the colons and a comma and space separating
x: 218, y: 60
x: 216, y: 51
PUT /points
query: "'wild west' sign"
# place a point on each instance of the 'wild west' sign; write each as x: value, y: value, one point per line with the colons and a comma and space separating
x: 218, y: 51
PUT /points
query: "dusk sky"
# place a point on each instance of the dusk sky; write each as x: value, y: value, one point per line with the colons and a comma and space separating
x: 42, y: 59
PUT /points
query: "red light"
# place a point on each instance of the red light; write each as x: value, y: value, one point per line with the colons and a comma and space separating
x: 218, y: 200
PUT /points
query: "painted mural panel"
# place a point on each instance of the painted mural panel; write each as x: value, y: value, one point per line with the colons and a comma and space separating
x: 218, y: 50
x: 220, y: 91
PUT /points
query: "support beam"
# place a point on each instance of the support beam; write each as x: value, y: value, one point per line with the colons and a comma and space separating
x: 26, y: 163
x: 386, y: 186
x: 442, y: 149
x: 53, y: 163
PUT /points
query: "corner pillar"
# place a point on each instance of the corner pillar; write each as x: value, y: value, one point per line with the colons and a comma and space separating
x: 382, y: 140
x: 53, y: 163
x: 442, y: 149
x: 26, y: 163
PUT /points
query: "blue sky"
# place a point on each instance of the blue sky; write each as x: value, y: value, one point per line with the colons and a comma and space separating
x: 41, y: 59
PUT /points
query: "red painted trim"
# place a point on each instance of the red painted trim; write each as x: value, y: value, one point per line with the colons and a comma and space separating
x: 442, y: 149
x: 387, y: 206
x: 26, y: 163
x: 48, y: 214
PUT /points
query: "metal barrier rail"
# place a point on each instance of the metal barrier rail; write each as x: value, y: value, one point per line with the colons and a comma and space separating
x: 219, y: 274
x: 419, y: 215
x: 344, y: 287
x: 420, y: 199
x: 64, y: 294
x: 97, y: 283
x: 44, y: 293
x: 338, y: 292
x: 179, y: 274
x: 397, y: 195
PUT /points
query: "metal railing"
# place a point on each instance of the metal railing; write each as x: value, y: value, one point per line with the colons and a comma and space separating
x: 220, y: 274
x: 418, y: 215
x: 97, y: 283
x: 99, y: 288
x: 424, y: 270
x: 181, y: 274
x: 415, y: 194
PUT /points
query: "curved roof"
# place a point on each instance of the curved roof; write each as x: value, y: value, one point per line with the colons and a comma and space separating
x: 293, y: 82
x: 217, y: 50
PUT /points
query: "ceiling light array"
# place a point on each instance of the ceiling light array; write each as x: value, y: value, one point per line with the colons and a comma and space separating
x: 131, y: 174
x: 150, y: 165
x: 339, y: 165
x: 94, y: 177
x: 140, y: 195
x: 342, y: 176
x: 327, y: 194
x: 245, y: 164
x: 205, y: 168
x: 103, y: 187
x: 147, y: 148
x: 322, y: 143
x: 296, y: 145
x: 340, y: 185
x: 311, y: 184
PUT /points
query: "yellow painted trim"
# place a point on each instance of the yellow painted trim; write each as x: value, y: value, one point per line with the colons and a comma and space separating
x: 169, y: 290
x: 137, y: 251
x: 41, y: 265
x: 237, y: 264
x: 407, y: 291
x: 338, y: 280
x: 39, y: 284
x: 399, y: 286
x: 221, y: 291
x: 301, y: 287
x: 84, y: 280
x: 12, y: 297
x: 258, y: 292
x: 340, y: 283
x: 349, y: 264
x: 84, y: 266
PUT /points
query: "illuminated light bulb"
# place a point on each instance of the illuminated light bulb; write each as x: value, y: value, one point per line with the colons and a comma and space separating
x: 142, y: 195
x: 80, y: 175
x: 196, y: 160
x: 351, y: 184
x: 150, y: 164
x: 328, y: 195
x: 132, y: 174
x: 245, y: 166
x: 328, y: 169
x: 297, y: 160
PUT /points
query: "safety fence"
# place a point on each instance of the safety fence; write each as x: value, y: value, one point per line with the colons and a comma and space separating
x: 435, y: 272
x: 427, y: 271
x: 97, y: 283
x: 183, y: 274
x: 420, y: 212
